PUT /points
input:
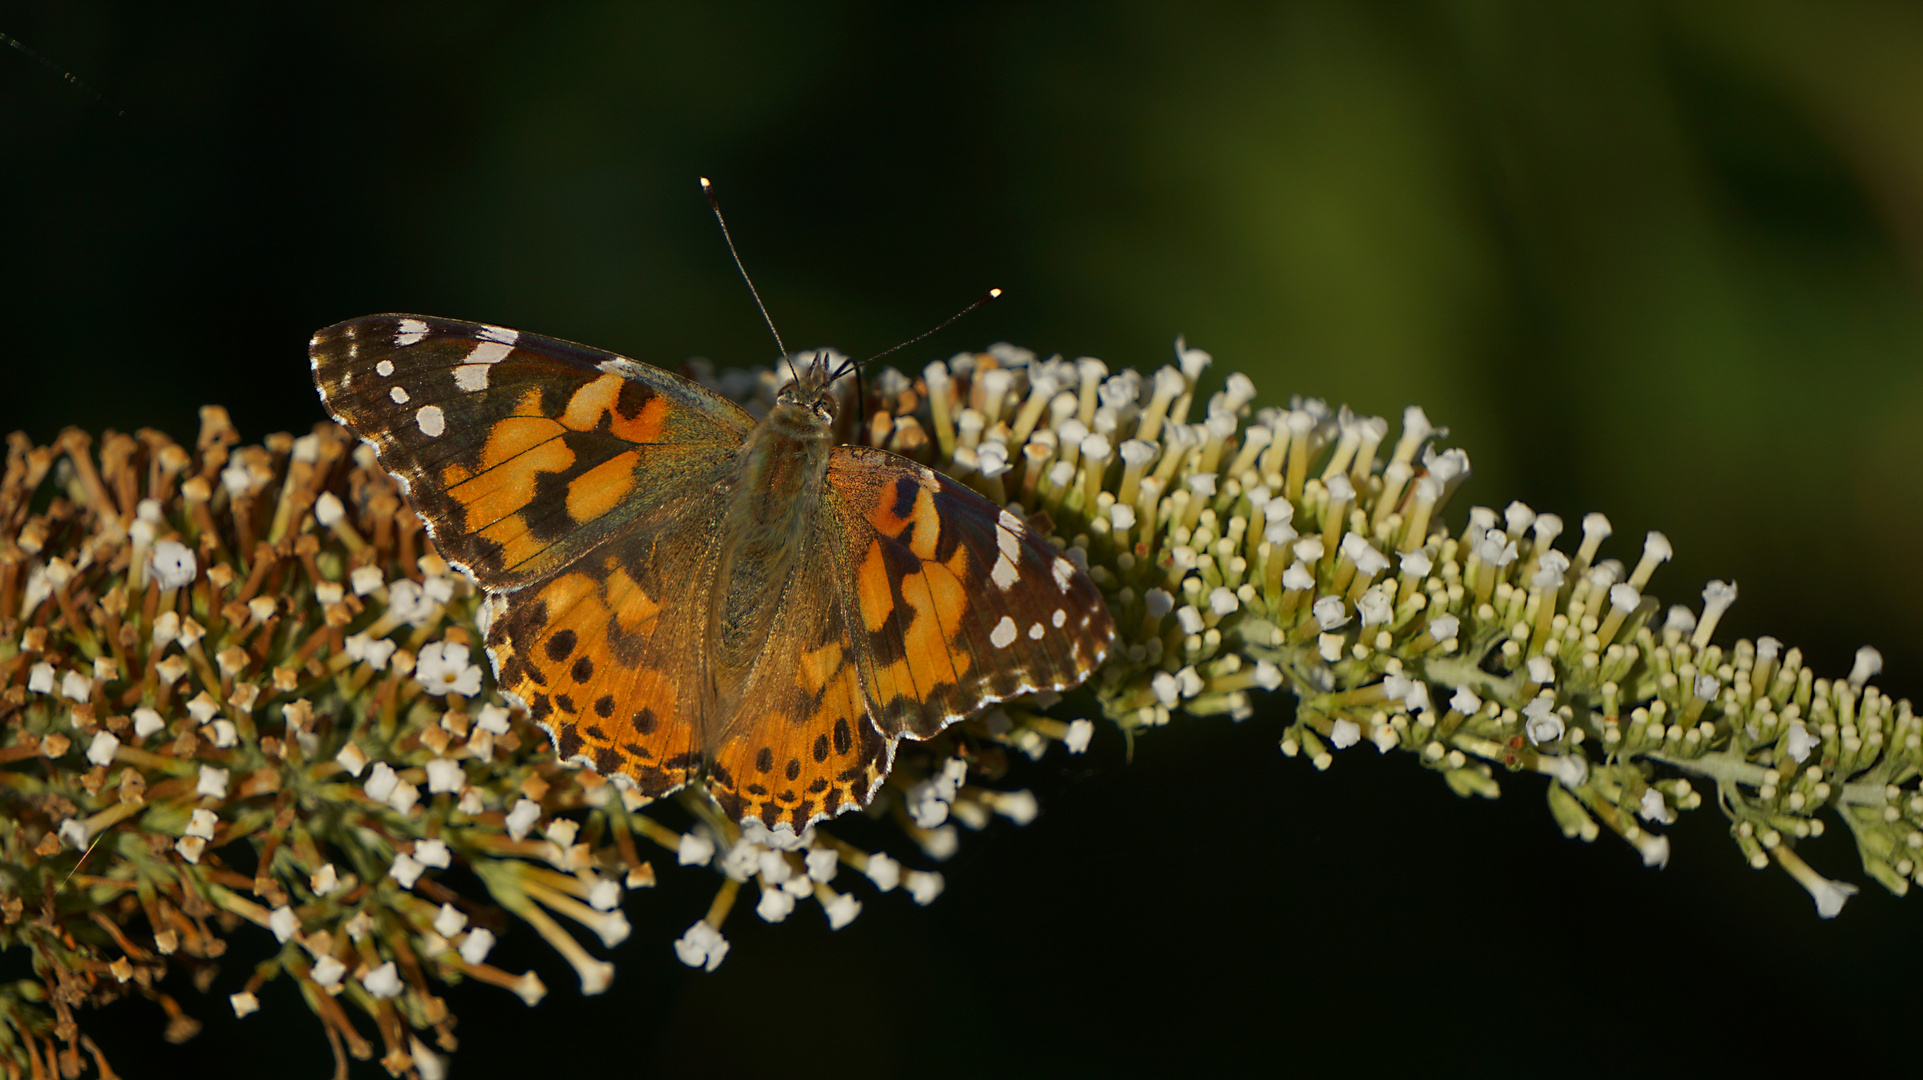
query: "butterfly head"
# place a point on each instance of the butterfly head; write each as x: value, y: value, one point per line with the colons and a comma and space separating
x: 811, y: 392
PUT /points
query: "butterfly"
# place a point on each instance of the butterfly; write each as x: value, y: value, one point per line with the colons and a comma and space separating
x: 679, y: 593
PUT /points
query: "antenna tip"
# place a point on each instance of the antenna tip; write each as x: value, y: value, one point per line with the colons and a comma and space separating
x: 993, y: 293
x: 705, y: 185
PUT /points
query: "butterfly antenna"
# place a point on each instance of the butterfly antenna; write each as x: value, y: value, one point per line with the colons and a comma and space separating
x: 715, y: 205
x: 69, y: 77
x: 986, y: 297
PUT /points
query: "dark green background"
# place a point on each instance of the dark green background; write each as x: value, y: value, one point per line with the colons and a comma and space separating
x: 1660, y: 260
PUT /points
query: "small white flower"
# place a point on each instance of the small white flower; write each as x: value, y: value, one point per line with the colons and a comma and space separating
x: 445, y: 775
x: 1329, y: 612
x: 438, y: 589
x: 1654, y: 849
x: 493, y: 720
x: 923, y: 886
x: 450, y: 921
x: 478, y: 943
x: 325, y: 880
x: 926, y: 805
x: 365, y: 579
x: 352, y: 758
x: 147, y: 721
x: 244, y: 1003
x: 73, y: 833
x: 1799, y: 742
x: 203, y: 707
x: 75, y: 687
x: 405, y: 870
x: 741, y: 861
x: 190, y: 848
x: 521, y: 819
x: 1374, y: 607
x: 702, y: 946
x: 1167, y: 690
x: 1542, y: 723
x: 1652, y: 808
x: 694, y: 850
x: 443, y: 668
x: 101, y: 750
x: 842, y: 910
x: 407, y: 603
x: 883, y: 871
x: 1344, y: 734
x: 201, y: 823
x: 381, y: 782
x: 173, y: 564
x: 223, y: 734
x: 775, y: 905
x: 284, y: 923
x: 327, y: 971
x: 328, y: 509
x: 772, y: 867
x: 1019, y: 807
x: 433, y: 853
x: 383, y: 981
x: 822, y: 864
x: 605, y: 895
x: 403, y: 797
x: 40, y: 678
x: 941, y: 843
x: 213, y: 783
x: 1078, y: 736
x: 378, y: 652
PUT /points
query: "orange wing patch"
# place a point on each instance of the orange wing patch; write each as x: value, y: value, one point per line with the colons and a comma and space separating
x: 804, y: 752
x: 584, y: 654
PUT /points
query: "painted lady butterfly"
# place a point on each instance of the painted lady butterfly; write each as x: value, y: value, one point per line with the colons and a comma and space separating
x: 680, y: 594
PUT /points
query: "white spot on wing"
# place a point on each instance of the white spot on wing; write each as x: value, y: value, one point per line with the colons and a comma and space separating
x: 431, y: 419
x: 1035, y: 632
x: 1003, y: 634
x: 1008, y: 541
x: 471, y: 377
x: 501, y: 334
x: 410, y: 332
x: 1004, y: 575
x: 1011, y: 523
x: 399, y: 395
x: 1064, y: 573
x: 1059, y: 618
x: 931, y: 478
x: 384, y: 368
x: 490, y: 352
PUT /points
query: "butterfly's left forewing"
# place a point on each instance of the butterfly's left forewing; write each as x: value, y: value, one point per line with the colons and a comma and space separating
x: 522, y: 452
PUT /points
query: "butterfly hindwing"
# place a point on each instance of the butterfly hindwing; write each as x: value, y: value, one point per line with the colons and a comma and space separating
x: 602, y: 654
x: 522, y: 452
x: 801, y: 740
